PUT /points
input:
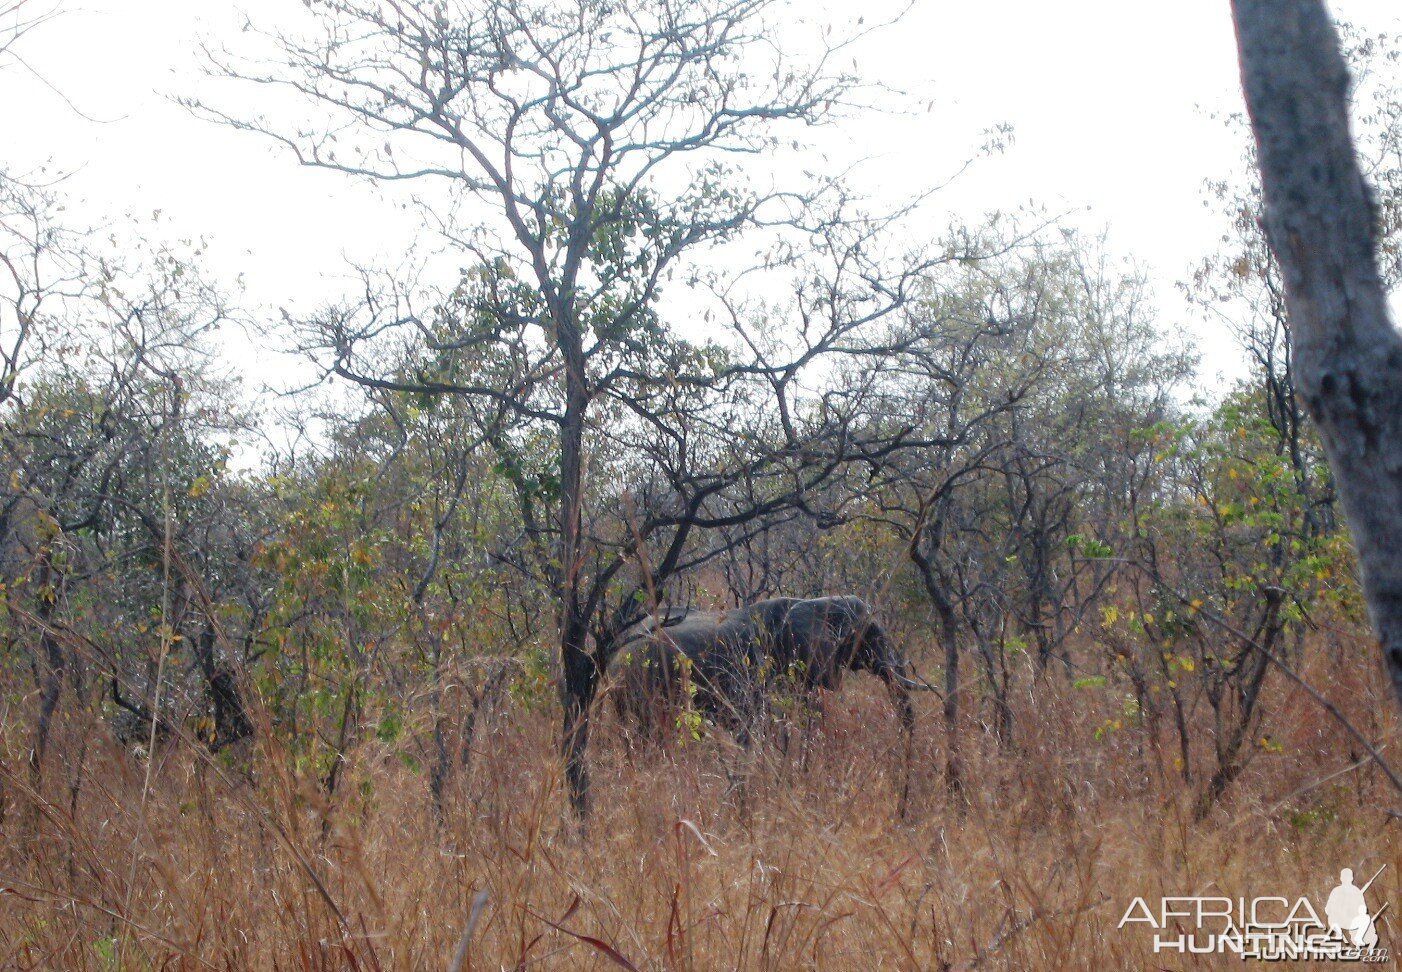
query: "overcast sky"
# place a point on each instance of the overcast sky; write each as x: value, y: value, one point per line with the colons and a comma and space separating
x: 1113, y: 103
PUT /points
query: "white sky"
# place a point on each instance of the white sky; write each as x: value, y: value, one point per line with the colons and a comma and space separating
x: 1112, y: 104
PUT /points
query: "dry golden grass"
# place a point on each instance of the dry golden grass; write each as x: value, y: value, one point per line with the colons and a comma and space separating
x: 810, y: 868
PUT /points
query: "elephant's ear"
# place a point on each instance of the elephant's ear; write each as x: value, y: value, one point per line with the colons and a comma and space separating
x: 864, y: 626
x: 855, y: 615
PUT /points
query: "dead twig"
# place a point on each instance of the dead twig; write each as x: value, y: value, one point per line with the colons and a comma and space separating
x: 479, y: 904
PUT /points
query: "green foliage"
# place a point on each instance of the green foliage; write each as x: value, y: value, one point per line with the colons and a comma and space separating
x: 107, y: 951
x: 690, y: 722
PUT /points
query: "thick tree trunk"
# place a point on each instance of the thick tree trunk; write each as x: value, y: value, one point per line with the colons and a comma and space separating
x: 1321, y: 224
x: 579, y: 670
x: 231, y: 722
x: 580, y: 679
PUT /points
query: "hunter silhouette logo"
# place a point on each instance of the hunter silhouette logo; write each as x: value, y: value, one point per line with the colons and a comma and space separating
x: 1269, y: 928
x: 1347, y: 911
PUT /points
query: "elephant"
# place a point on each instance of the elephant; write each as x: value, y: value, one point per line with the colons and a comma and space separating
x: 732, y: 663
x: 709, y: 658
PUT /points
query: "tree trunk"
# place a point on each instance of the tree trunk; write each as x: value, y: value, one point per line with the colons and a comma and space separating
x: 949, y: 640
x: 442, y: 770
x: 1320, y: 221
x: 577, y: 697
x: 51, y: 686
x: 996, y: 674
x: 345, y: 734
x: 579, y: 671
x: 231, y: 722
x: 1240, y: 705
x: 1039, y: 591
x: 48, y: 703
x: 1185, y: 749
x: 954, y: 761
x: 905, y: 711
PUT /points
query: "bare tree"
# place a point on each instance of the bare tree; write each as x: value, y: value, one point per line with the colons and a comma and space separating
x: 94, y: 439
x: 971, y: 360
x: 1321, y: 220
x: 17, y: 18
x: 590, y: 142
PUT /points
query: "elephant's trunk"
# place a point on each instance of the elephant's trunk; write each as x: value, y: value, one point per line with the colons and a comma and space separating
x: 900, y: 697
x: 899, y: 685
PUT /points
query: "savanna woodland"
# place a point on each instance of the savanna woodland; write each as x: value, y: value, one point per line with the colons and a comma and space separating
x: 690, y: 563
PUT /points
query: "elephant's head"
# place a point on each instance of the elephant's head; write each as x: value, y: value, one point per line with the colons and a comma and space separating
x: 835, y: 634
x: 871, y: 649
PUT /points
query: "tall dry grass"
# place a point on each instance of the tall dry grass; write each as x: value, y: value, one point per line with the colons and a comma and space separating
x: 807, y: 866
